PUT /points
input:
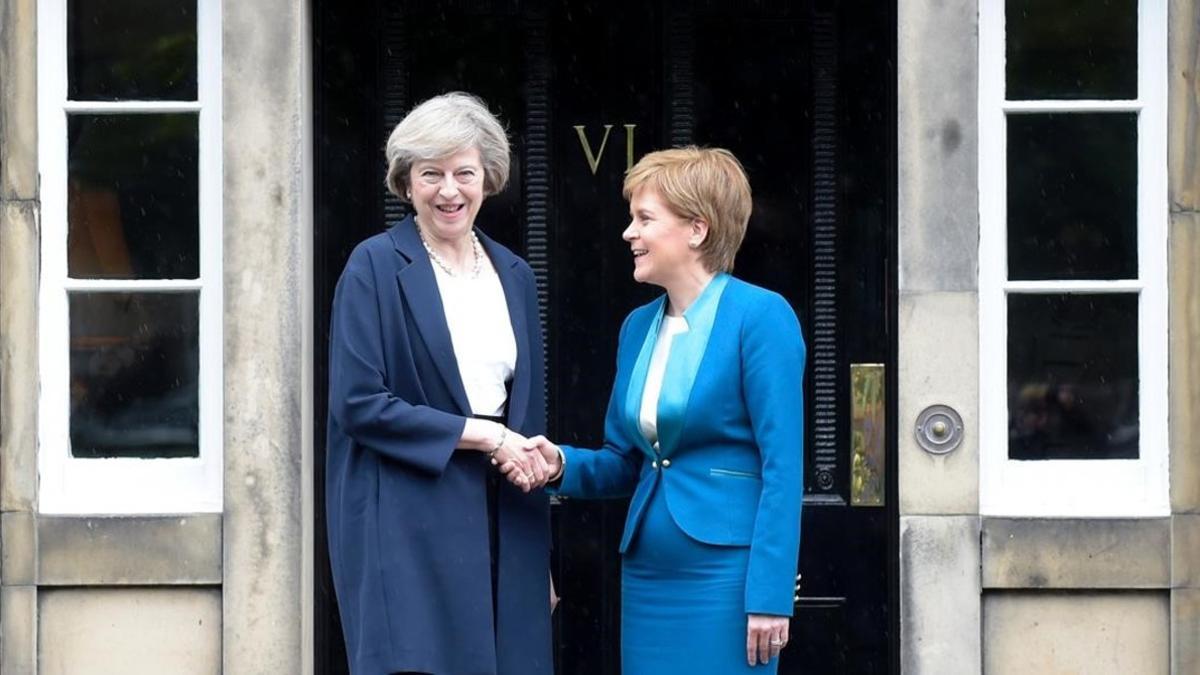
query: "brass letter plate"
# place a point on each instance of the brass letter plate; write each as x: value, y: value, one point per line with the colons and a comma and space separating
x: 868, y: 461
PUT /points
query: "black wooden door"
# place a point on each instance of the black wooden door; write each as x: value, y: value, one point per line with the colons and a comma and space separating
x: 803, y: 93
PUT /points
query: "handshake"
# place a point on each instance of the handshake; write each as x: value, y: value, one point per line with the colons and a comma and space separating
x: 527, y: 463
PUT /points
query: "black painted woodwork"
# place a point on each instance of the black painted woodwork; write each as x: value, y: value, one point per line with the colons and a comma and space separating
x: 802, y: 92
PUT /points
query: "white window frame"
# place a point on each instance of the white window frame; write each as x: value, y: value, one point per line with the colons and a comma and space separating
x: 70, y: 485
x: 1074, y: 488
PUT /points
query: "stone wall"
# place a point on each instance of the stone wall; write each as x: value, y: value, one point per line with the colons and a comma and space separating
x: 190, y: 592
x: 972, y: 586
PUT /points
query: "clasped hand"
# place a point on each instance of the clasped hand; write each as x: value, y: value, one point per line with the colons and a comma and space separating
x: 528, y: 463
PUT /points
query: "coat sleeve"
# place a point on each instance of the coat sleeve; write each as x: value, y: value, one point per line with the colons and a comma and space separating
x: 612, y: 470
x: 773, y: 355
x: 375, y: 418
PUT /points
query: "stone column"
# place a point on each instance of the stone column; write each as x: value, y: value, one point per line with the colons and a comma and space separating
x: 1183, y: 139
x: 19, y: 216
x: 939, y: 333
x: 267, y: 243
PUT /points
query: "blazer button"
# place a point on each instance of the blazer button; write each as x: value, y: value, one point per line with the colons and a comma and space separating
x: 799, y: 576
x: 796, y: 599
x: 654, y: 464
x: 666, y: 463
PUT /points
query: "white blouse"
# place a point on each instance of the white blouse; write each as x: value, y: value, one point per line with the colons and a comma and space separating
x: 648, y: 417
x: 482, y: 335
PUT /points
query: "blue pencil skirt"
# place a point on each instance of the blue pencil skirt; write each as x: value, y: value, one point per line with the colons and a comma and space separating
x: 683, y: 602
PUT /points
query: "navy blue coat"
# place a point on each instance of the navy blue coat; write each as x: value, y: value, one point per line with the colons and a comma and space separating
x: 407, y: 513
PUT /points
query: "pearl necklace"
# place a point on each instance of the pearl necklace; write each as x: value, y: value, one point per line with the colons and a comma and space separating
x: 476, y: 250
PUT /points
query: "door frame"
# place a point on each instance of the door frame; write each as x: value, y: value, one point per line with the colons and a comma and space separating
x: 322, y: 596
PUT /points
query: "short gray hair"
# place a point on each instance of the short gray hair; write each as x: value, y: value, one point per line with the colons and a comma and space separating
x: 440, y: 127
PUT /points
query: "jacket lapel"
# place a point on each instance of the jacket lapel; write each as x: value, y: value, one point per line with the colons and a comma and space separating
x: 637, y: 377
x: 425, y: 304
x: 683, y: 364
x: 514, y: 295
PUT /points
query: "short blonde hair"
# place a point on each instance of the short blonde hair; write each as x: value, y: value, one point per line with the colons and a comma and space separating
x: 440, y: 127
x: 706, y: 184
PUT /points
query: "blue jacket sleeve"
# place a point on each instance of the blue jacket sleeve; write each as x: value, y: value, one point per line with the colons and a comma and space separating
x: 360, y: 402
x: 773, y: 377
x: 612, y: 470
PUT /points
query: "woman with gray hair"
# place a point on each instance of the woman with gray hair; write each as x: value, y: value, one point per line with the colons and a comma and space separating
x: 435, y: 383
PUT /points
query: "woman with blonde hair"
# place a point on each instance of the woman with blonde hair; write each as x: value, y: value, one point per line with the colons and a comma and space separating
x: 704, y: 430
x: 435, y: 377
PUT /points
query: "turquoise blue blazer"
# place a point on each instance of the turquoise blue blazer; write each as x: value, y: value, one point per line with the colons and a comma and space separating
x: 731, y: 464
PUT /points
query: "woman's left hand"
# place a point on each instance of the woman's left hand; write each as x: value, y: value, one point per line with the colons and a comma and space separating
x: 766, y: 635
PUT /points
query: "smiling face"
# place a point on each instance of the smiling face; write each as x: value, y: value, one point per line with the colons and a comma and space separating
x: 447, y: 193
x: 661, y: 240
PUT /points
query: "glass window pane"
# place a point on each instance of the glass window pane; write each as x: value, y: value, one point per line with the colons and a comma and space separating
x: 135, y: 364
x: 1071, y: 49
x: 133, y: 196
x: 1073, y: 376
x: 1072, y: 196
x: 124, y: 49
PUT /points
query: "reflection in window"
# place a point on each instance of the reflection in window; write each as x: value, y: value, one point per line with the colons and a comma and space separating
x: 1073, y: 376
x: 1071, y: 49
x: 1072, y: 196
x: 134, y: 374
x: 133, y: 191
x: 131, y: 50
